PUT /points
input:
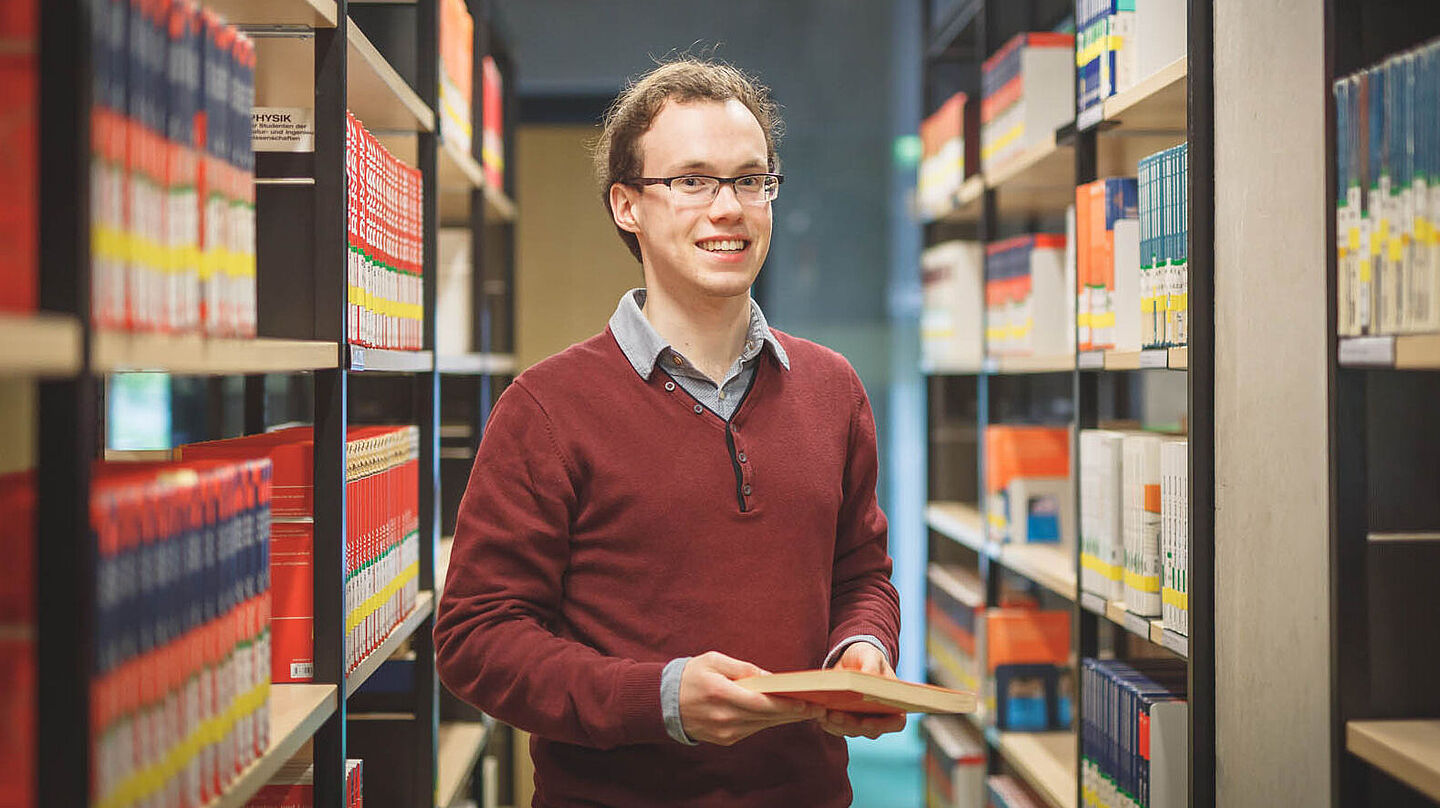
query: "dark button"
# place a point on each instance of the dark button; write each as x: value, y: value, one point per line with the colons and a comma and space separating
x: 742, y: 457
x: 699, y: 409
x: 746, y: 489
x: 670, y: 387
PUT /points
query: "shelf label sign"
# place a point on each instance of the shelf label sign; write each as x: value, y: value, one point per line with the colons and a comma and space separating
x: 283, y: 129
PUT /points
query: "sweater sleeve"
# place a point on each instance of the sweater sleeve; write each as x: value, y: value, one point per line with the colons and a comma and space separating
x: 863, y: 601
x: 495, y: 642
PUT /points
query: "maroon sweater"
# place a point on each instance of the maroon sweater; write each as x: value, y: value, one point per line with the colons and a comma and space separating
x: 602, y: 535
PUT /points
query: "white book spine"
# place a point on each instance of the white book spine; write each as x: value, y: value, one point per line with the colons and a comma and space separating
x: 1142, y: 524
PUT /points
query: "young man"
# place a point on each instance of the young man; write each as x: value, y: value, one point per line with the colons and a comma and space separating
x: 685, y: 499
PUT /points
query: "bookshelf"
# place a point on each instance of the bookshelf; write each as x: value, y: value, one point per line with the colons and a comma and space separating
x: 1384, y: 465
x: 1029, y: 193
x: 300, y: 369
x: 461, y: 744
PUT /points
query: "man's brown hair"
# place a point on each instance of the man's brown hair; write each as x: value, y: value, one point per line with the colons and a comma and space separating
x: 684, y: 79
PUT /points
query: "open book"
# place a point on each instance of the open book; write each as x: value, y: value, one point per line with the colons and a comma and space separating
x: 856, y: 692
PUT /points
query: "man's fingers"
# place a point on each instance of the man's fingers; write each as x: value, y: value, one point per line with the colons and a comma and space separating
x: 731, y: 668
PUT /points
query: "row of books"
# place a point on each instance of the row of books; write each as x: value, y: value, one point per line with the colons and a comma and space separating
x: 492, y: 135
x: 1027, y: 484
x: 1134, y: 738
x: 1164, y: 209
x: 172, y: 193
x: 951, y: 279
x: 954, y: 763
x: 294, y: 785
x: 1027, y: 92
x: 382, y: 545
x: 19, y: 157
x: 1134, y: 529
x: 387, y: 247
x: 179, y: 688
x: 1005, y: 791
x: 1387, y: 210
x: 1028, y: 308
x: 945, y: 154
x: 457, y: 73
x: 1120, y: 42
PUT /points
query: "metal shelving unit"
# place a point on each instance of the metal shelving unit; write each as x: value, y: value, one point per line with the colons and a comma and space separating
x: 314, y: 54
x: 1081, y: 389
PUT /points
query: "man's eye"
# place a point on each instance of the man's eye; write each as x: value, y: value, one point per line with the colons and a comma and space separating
x: 750, y: 183
x: 691, y: 183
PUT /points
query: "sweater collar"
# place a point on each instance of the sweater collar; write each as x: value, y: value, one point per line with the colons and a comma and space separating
x: 644, y: 346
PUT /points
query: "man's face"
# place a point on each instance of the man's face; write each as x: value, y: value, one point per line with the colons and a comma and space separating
x: 704, y: 249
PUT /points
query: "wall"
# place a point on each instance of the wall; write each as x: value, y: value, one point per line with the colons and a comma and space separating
x: 1271, y: 515
x: 571, y: 268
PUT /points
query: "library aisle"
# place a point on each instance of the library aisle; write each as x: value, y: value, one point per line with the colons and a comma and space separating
x: 1144, y: 295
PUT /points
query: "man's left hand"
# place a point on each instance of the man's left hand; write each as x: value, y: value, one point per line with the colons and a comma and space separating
x: 866, y: 658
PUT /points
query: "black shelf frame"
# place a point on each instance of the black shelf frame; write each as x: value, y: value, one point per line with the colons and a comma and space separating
x: 975, y: 30
x: 69, y: 428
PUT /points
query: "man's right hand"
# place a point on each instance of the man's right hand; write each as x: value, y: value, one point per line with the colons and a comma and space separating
x: 713, y: 709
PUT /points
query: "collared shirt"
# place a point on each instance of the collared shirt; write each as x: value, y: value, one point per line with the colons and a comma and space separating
x: 646, y: 350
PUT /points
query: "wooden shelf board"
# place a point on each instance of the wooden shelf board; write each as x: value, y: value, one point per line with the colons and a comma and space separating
x: 1151, y: 629
x: 476, y: 364
x: 384, y: 360
x: 1016, y: 201
x: 1045, y: 164
x: 1417, y: 352
x: 423, y: 606
x: 1046, y: 761
x: 1404, y: 536
x: 1059, y: 363
x: 1047, y: 565
x: 459, y: 745
x: 377, y: 94
x: 1177, y: 643
x: 39, y: 344
x: 1408, y: 750
x: 958, y: 521
x: 310, y: 13
x: 1155, y: 104
x: 192, y: 354
x: 1179, y: 358
x: 296, y: 712
x: 1122, y: 360
x: 499, y: 205
x: 948, y: 370
x: 962, y: 585
x: 965, y: 204
x: 1402, y: 352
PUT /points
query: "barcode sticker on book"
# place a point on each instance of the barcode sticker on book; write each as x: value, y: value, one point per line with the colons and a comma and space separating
x: 302, y: 670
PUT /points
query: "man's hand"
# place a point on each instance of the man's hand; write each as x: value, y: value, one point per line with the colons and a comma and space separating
x: 713, y: 709
x: 866, y: 658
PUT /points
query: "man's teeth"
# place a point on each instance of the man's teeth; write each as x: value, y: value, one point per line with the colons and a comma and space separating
x: 732, y: 245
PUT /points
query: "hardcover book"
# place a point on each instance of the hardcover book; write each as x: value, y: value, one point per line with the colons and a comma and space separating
x: 856, y: 692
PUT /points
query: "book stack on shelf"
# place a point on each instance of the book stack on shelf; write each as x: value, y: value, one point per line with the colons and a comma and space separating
x: 1164, y: 239
x: 1175, y: 536
x: 1028, y: 302
x: 1107, y: 257
x: 387, y: 249
x: 1028, y: 91
x: 457, y: 73
x: 947, y: 150
x: 955, y: 617
x: 954, y: 763
x: 1134, y: 738
x: 1102, y: 509
x: 1029, y: 685
x: 1027, y: 481
x: 1387, y: 214
x: 492, y: 123
x: 382, y: 541
x: 179, y: 688
x: 1106, y: 51
x: 951, y: 281
x: 17, y: 640
x: 293, y: 786
x: 172, y: 215
x: 1007, y: 792
x: 19, y: 159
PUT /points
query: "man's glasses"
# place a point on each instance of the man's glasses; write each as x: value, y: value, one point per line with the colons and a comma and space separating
x: 701, y: 189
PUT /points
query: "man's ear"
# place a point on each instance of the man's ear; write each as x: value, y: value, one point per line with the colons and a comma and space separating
x: 624, y: 204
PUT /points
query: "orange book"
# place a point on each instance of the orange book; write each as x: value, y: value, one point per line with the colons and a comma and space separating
x: 865, y: 693
x: 1026, y: 637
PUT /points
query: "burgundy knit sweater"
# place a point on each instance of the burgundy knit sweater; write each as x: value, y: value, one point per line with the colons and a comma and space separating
x: 609, y: 527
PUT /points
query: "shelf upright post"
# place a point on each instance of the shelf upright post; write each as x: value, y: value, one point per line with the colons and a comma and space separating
x: 480, y: 312
x: 427, y: 408
x: 68, y: 431
x: 1085, y: 637
x: 1200, y: 117
x: 331, y: 399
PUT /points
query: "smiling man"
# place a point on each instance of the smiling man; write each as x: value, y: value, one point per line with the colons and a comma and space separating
x: 683, y: 500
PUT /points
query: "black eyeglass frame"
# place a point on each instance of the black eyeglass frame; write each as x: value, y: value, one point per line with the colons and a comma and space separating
x: 667, y: 181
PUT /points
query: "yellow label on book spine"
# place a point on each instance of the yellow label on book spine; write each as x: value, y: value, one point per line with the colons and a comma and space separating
x: 1180, y: 600
x: 1142, y: 583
